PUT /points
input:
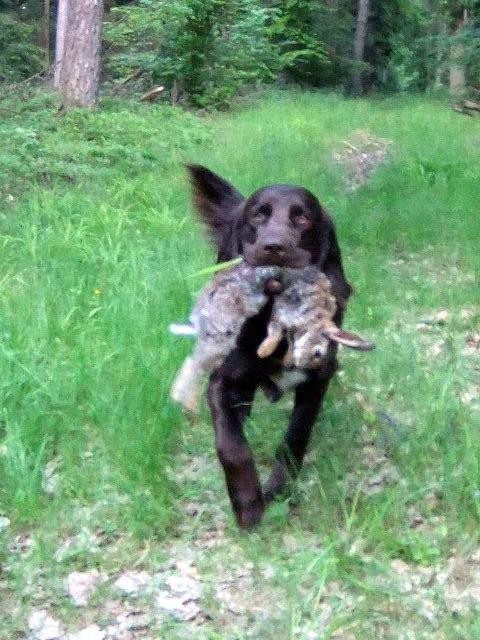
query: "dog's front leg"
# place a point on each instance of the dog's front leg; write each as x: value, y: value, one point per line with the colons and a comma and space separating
x: 289, y: 457
x: 230, y: 403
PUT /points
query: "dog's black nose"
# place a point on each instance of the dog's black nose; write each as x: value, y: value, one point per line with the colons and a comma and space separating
x: 274, y: 248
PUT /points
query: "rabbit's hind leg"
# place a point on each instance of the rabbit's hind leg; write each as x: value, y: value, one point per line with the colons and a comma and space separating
x: 271, y: 342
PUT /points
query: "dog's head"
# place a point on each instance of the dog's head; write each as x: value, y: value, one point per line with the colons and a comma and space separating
x: 277, y: 225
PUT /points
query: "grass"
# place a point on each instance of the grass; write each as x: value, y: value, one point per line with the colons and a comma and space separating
x: 98, y: 241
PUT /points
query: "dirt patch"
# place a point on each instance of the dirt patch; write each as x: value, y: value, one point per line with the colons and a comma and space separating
x: 444, y: 272
x: 374, y: 471
x: 360, y: 157
x: 460, y: 583
x: 473, y: 344
x: 471, y: 396
x: 436, y: 591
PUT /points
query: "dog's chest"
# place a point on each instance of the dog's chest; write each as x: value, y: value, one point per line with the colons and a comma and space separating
x: 288, y: 379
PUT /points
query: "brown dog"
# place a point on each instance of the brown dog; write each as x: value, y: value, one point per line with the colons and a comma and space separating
x: 278, y: 225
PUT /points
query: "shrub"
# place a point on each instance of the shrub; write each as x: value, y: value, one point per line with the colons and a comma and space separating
x: 314, y: 39
x: 205, y: 50
x: 19, y: 56
x: 39, y: 146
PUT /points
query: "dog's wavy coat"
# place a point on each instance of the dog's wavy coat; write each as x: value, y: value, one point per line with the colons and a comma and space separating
x: 278, y: 225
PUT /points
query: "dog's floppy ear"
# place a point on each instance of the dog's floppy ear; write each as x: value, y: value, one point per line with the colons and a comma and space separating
x: 217, y: 203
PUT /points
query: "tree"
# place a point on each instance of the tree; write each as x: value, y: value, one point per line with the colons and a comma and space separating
x: 457, y: 54
x: 44, y: 32
x: 77, y: 61
x: 62, y: 9
x: 359, y: 45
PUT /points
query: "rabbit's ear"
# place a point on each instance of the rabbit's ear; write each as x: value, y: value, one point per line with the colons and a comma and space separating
x: 348, y: 339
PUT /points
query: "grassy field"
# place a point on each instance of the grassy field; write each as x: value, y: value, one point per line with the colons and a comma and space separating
x: 99, y: 250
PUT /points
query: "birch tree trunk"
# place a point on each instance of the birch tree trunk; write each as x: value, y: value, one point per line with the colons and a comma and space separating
x: 80, y: 62
x: 62, y: 13
x: 45, y: 32
x: 457, y: 68
x: 359, y: 44
x: 440, y: 54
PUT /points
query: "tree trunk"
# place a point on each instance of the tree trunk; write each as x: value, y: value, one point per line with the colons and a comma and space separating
x: 45, y: 32
x: 359, y: 44
x: 457, y: 67
x: 440, y: 55
x: 62, y: 13
x: 80, y: 60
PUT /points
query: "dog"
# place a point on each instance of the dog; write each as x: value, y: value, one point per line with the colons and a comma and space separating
x: 281, y: 225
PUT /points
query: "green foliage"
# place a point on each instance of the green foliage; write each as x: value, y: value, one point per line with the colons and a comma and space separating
x: 20, y: 57
x: 410, y: 43
x: 315, y: 40
x: 39, y: 146
x: 211, y: 48
x: 394, y: 44
x: 470, y: 40
x: 207, y: 50
x: 83, y: 263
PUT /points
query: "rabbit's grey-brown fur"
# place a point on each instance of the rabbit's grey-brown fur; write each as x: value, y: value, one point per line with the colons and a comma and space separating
x: 302, y: 313
x: 233, y: 296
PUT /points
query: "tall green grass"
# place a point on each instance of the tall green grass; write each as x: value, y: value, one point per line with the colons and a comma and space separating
x: 93, y: 268
x: 91, y: 275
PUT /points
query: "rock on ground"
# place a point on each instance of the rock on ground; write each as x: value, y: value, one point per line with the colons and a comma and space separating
x: 180, y: 597
x: 92, y: 632
x: 132, y: 582
x: 81, y: 585
x: 44, y: 627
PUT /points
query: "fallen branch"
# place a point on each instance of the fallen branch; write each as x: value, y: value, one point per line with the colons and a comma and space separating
x: 469, y: 104
x: 459, y: 109
x: 468, y: 108
x: 12, y: 88
x: 133, y: 76
x: 152, y: 94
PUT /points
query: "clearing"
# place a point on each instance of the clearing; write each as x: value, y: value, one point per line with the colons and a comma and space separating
x: 114, y: 520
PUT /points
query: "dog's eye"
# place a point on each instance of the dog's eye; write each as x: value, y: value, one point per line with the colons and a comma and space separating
x: 263, y: 211
x: 298, y: 215
x: 317, y: 353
